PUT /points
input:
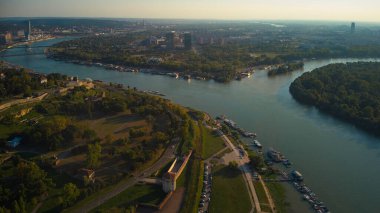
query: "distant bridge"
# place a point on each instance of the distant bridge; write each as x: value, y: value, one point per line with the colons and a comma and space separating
x: 29, y: 46
x: 20, y: 54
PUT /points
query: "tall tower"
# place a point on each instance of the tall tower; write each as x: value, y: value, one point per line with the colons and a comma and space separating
x: 29, y: 31
x: 187, y: 40
x: 170, y: 40
x: 353, y: 26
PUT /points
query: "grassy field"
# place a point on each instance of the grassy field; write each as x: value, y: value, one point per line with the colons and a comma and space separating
x: 149, y: 194
x: 52, y: 203
x: 211, y: 143
x: 263, y: 199
x: 229, y: 192
x: 116, y: 125
x: 278, y: 194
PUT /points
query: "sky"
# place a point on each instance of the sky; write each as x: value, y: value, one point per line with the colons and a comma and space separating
x: 334, y: 10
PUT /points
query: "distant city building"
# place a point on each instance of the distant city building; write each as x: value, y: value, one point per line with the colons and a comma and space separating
x: 21, y: 34
x: 170, y: 40
x: 353, y: 27
x: 157, y: 41
x: 8, y: 38
x: 29, y: 31
x: 187, y: 41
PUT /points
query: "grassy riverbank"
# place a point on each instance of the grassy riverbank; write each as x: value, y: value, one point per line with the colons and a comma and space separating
x: 211, y: 143
x: 228, y: 183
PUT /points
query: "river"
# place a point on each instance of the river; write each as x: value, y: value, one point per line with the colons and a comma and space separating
x: 339, y: 162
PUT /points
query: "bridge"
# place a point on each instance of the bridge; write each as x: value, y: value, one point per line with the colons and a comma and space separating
x: 29, y: 50
x: 21, y: 54
x: 29, y: 46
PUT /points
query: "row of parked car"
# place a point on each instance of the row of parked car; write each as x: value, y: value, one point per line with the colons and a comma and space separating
x: 206, y: 190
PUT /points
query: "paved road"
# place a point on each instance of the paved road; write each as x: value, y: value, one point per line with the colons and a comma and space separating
x: 137, y: 176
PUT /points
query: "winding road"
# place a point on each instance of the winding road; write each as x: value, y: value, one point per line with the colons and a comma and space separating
x: 123, y: 185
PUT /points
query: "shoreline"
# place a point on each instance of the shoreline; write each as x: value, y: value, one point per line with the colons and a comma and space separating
x: 28, y: 42
x: 186, y: 75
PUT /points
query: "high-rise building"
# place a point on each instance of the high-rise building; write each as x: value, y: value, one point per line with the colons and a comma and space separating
x: 187, y: 41
x: 170, y: 40
x: 353, y: 26
x: 29, y: 31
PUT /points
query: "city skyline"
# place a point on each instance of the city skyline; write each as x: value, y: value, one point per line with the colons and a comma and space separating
x: 340, y: 10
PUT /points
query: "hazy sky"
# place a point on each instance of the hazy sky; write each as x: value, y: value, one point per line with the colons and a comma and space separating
x: 347, y: 10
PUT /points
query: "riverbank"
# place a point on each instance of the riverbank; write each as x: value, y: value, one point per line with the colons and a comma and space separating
x: 266, y: 168
x: 264, y: 104
x: 186, y: 75
x: 27, y: 42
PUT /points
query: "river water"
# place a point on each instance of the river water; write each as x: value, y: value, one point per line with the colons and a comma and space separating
x: 339, y: 162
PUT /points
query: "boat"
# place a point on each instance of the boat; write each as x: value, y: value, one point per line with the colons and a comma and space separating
x: 286, y: 162
x: 154, y: 92
x: 297, y: 176
x: 274, y: 155
x: 257, y: 144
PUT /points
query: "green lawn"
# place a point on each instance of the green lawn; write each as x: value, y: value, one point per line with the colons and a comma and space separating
x: 229, y: 191
x: 149, y: 194
x: 263, y: 199
x: 211, y: 143
x: 277, y: 192
x: 192, y: 177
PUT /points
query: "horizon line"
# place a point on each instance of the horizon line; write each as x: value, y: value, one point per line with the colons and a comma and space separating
x: 185, y: 19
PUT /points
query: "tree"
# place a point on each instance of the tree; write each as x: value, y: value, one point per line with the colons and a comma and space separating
x: 70, y: 194
x: 89, y: 134
x: 233, y: 165
x: 160, y: 137
x: 94, y: 154
x: 256, y: 161
x: 27, y: 91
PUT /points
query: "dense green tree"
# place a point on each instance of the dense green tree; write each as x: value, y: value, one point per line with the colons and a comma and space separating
x: 93, y: 155
x: 70, y: 194
x: 349, y: 91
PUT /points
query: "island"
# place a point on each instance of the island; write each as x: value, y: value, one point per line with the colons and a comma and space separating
x: 347, y: 91
x: 285, y: 68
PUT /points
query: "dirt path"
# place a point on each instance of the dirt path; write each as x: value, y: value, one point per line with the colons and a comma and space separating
x: 174, y: 204
x: 270, y: 200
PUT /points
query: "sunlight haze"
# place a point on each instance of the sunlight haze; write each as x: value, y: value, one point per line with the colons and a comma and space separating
x: 365, y: 10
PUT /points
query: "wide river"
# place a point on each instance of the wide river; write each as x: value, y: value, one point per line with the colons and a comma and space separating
x: 339, y: 162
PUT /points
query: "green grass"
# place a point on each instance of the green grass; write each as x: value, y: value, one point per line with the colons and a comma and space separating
x: 220, y: 155
x: 263, y: 199
x: 192, y: 176
x: 148, y: 194
x: 211, y: 143
x: 229, y: 191
x: 183, y: 177
x: 193, y: 183
x: 278, y: 194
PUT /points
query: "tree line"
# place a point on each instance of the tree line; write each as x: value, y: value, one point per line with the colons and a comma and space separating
x: 348, y: 91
